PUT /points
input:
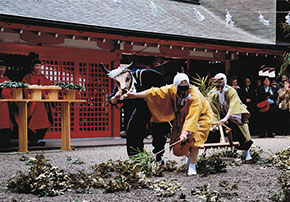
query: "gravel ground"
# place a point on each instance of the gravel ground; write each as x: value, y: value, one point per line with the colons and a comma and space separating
x: 254, y: 182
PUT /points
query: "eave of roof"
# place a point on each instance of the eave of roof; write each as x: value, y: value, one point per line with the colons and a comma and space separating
x: 135, y: 33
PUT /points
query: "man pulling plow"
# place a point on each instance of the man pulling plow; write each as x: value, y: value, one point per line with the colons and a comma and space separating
x: 189, y: 110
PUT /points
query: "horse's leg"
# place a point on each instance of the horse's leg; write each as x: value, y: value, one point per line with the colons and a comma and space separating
x: 136, y: 130
x: 159, y: 133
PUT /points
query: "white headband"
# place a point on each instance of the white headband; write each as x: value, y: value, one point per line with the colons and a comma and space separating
x: 221, y: 75
x: 178, y: 78
x: 116, y: 72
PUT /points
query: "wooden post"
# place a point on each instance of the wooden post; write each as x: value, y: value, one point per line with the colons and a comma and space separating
x: 35, y: 94
x: 22, y: 130
x: 227, y: 67
x: 70, y: 94
x: 222, y: 139
x: 65, y: 126
x: 16, y: 93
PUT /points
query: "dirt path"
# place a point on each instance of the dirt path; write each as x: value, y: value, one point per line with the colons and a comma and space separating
x: 254, y: 182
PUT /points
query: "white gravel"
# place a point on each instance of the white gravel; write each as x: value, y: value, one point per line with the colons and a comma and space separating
x: 254, y: 182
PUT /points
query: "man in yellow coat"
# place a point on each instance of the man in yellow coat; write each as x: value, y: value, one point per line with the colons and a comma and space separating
x: 227, y: 107
x: 194, y: 111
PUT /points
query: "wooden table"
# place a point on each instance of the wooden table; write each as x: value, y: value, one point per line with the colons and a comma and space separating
x: 22, y: 125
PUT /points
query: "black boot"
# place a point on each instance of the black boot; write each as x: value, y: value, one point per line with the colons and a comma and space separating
x: 246, y: 145
x: 36, y: 143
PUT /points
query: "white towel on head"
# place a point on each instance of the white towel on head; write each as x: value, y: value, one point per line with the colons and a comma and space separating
x: 178, y: 78
x: 222, y: 75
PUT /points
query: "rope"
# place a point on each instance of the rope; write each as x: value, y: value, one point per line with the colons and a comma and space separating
x: 214, y: 123
x: 169, y: 147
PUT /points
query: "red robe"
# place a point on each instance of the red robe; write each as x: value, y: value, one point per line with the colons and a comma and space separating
x: 4, y: 111
x: 36, y: 110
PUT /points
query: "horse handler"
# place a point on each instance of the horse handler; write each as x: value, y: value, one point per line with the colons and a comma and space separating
x: 137, y: 128
x: 186, y: 107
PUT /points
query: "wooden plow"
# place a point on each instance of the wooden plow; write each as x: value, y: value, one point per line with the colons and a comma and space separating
x: 223, y: 142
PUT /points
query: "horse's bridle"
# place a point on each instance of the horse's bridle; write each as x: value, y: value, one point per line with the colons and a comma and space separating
x: 132, y: 84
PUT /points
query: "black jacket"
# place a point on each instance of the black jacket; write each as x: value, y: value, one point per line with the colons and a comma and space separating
x: 250, y: 94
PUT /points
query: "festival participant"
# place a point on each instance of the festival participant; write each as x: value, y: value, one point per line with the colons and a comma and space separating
x: 184, y: 104
x: 39, y: 113
x: 140, y: 117
x: 5, y: 130
x: 228, y: 108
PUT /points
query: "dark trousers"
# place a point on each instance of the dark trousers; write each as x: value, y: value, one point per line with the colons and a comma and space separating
x: 267, y: 121
x: 284, y: 122
x: 37, y: 135
x: 253, y: 120
x: 160, y: 132
x: 137, y: 128
x: 5, y: 135
x: 238, y: 136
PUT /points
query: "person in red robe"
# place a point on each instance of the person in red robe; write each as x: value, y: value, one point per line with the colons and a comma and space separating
x: 5, y: 126
x: 38, y: 113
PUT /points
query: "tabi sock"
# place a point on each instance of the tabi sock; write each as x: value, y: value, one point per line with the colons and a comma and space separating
x: 192, y: 169
x: 248, y: 155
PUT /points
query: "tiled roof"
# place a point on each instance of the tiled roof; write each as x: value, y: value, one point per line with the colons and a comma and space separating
x: 156, y: 16
x: 245, y: 14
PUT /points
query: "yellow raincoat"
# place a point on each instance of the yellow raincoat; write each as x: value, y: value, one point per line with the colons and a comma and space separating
x: 196, y: 113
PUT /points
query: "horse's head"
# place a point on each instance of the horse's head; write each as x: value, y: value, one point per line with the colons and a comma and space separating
x: 124, y: 79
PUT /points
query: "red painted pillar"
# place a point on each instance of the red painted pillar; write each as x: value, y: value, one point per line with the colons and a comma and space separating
x: 116, y: 113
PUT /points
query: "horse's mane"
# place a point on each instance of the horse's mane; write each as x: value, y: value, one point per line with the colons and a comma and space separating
x: 170, y: 68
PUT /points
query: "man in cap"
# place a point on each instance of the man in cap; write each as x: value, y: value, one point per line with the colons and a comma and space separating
x: 183, y: 101
x: 228, y: 108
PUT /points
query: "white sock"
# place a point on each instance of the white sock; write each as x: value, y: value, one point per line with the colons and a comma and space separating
x: 248, y: 155
x: 192, y: 169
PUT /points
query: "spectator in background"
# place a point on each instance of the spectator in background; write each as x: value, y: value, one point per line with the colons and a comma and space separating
x: 274, y: 84
x: 209, y: 78
x: 283, y: 103
x: 284, y: 77
x: 39, y: 113
x: 266, y: 92
x: 258, y: 84
x: 258, y: 123
x: 248, y: 97
x: 234, y: 83
x: 277, y: 128
x: 5, y: 127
